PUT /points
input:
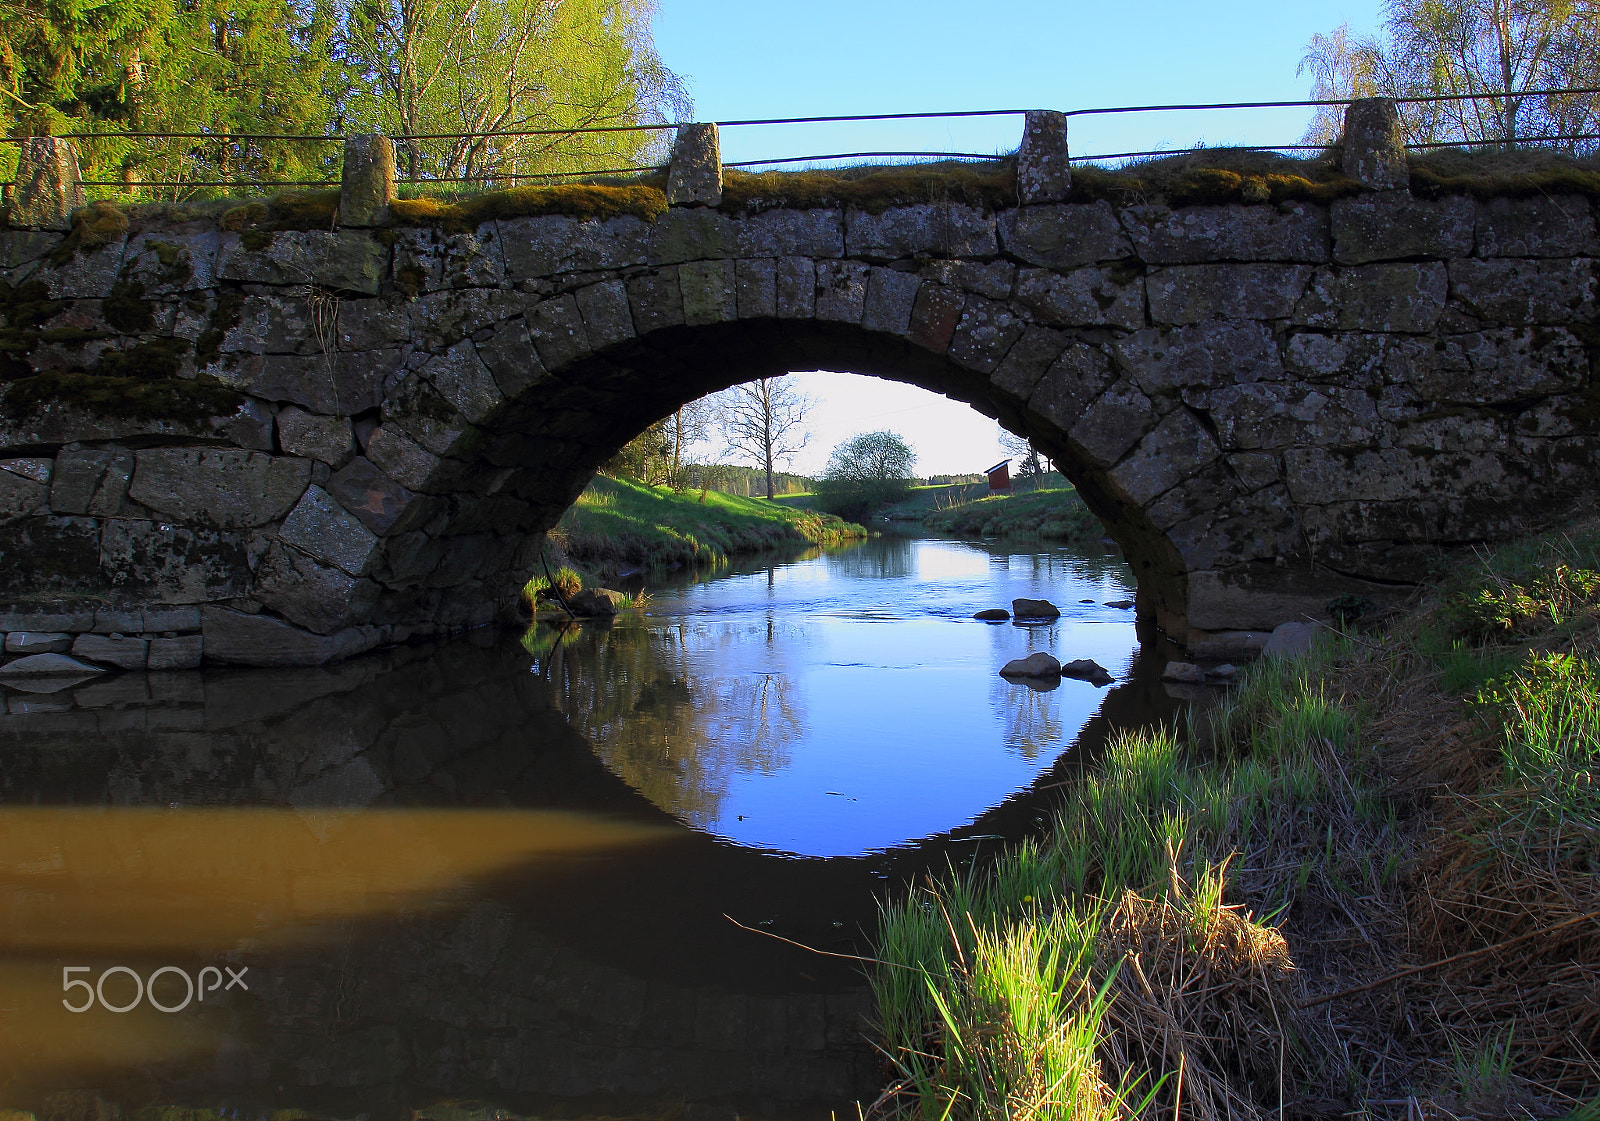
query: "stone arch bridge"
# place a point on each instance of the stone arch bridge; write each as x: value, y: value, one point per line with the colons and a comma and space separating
x: 1269, y: 405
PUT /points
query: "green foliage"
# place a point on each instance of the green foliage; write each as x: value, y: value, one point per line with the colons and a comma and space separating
x: 564, y: 583
x: 871, y: 187
x: 869, y: 470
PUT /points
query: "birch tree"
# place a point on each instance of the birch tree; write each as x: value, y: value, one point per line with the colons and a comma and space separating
x: 1498, y: 48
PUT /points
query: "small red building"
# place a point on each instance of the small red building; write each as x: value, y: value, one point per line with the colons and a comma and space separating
x: 1000, y: 475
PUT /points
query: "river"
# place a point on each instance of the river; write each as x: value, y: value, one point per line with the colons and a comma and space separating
x: 582, y: 873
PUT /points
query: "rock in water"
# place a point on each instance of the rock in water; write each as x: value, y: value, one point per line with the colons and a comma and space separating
x: 1291, y: 640
x: 1035, y: 609
x: 1034, y: 665
x: 1087, y: 669
x: 1186, y: 673
x: 1120, y: 604
x: 596, y: 602
x: 49, y: 665
x: 993, y: 615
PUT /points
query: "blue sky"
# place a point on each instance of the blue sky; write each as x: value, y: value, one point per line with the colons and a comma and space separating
x: 751, y: 59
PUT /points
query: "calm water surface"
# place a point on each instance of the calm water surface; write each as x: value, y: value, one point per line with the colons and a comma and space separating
x: 498, y: 875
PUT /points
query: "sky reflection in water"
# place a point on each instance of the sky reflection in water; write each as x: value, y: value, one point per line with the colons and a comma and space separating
x: 846, y: 702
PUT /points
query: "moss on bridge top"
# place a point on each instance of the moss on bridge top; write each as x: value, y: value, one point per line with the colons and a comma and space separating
x: 1215, y: 176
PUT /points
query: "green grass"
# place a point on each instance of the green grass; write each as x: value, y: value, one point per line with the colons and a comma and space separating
x: 619, y: 523
x: 1427, y: 789
x: 1056, y: 512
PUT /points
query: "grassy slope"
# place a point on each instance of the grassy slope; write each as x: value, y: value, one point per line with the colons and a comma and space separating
x: 1055, y: 512
x: 621, y: 523
x: 1398, y: 798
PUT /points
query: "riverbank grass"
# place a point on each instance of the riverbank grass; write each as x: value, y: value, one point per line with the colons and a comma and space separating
x: 1221, y: 925
x: 619, y: 524
x: 1055, y: 512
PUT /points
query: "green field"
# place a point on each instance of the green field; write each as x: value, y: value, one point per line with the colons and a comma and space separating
x: 619, y: 524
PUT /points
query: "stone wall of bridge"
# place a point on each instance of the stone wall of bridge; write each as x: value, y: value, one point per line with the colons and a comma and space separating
x: 367, y: 430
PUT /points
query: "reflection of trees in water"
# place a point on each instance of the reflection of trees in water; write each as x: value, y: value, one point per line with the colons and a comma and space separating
x: 676, y: 736
x: 884, y: 558
x: 1032, y: 717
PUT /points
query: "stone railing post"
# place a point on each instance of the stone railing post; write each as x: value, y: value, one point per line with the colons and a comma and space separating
x: 694, y: 178
x: 1374, y: 146
x: 49, y: 187
x: 367, y: 184
x: 1044, y: 168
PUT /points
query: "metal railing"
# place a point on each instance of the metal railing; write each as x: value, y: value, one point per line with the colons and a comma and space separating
x: 514, y: 177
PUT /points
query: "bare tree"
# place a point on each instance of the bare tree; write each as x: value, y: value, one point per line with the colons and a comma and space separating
x: 764, y: 422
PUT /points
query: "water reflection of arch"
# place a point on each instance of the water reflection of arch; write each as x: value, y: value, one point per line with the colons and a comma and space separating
x: 601, y: 977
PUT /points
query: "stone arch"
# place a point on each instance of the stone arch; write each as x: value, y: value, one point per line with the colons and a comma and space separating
x: 1269, y: 405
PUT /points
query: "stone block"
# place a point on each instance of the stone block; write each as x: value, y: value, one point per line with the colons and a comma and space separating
x: 439, y: 320
x: 935, y: 315
x: 1113, y: 424
x: 1373, y: 150
x: 1208, y: 355
x: 402, y: 458
x: 415, y: 406
x: 70, y: 622
x: 1506, y: 364
x: 111, y: 650
x: 939, y: 229
x: 1388, y: 297
x: 90, y: 274
x: 1393, y: 226
x: 755, y: 283
x: 606, y: 316
x: 1183, y: 294
x: 984, y: 334
x: 328, y: 439
x: 1539, y: 226
x: 1044, y: 167
x: 558, y: 334
x: 370, y: 494
x: 21, y: 496
x: 51, y: 554
x: 171, y: 619
x: 542, y: 247
x: 708, y: 292
x: 461, y: 378
x: 1296, y: 233
x: 889, y: 300
x: 183, y: 652
x: 331, y: 384
x: 511, y: 358
x: 795, y: 287
x: 1526, y: 292
x: 327, y: 532
x: 343, y: 260
x: 1027, y: 360
x: 367, y: 180
x: 319, y: 597
x: 1085, y: 297
x: 1075, y: 379
x: 1064, y: 236
x: 48, y: 185
x: 167, y: 262
x: 1175, y: 449
x: 233, y: 637
x: 841, y: 290
x: 111, y: 621
x: 250, y: 427
x: 1233, y: 646
x: 372, y: 324
x: 790, y: 233
x: 38, y: 642
x: 694, y: 177
x: 164, y: 563
x: 429, y: 260
x: 218, y: 487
